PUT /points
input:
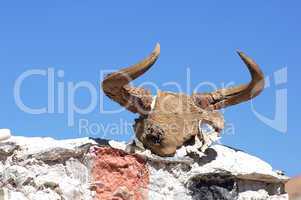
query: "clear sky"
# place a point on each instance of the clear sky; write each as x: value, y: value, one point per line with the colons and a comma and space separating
x: 77, y: 40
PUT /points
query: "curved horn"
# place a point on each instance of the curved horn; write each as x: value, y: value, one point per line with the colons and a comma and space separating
x: 237, y: 94
x: 116, y: 87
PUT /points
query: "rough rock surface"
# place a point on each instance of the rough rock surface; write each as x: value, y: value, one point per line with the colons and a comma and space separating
x: 120, y: 174
x: 76, y: 169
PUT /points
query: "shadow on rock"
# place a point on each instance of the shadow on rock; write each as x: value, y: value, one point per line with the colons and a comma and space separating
x: 210, y: 155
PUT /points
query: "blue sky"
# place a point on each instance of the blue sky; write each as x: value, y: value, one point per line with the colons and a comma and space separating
x: 83, y: 38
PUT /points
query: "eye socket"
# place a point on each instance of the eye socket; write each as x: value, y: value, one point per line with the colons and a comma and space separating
x: 154, y: 134
x: 155, y: 139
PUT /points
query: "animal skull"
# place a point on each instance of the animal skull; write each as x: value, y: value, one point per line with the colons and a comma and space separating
x: 170, y: 120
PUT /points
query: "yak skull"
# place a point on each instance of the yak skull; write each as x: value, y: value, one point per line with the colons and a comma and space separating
x: 169, y: 120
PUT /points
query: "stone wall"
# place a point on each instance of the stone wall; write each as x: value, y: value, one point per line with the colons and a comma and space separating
x: 85, y: 168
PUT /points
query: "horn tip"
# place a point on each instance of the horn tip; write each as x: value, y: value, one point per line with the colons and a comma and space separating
x: 239, y: 52
x: 242, y: 55
x: 157, y: 48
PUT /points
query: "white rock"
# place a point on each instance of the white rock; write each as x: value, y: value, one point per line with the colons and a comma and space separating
x: 13, y: 195
x: 252, y: 175
x: 253, y: 195
x: 71, y: 189
x: 279, y: 197
x: 28, y: 189
x: 4, y: 134
x: 77, y: 171
x: 51, y: 177
x: 44, y: 168
x: 17, y: 175
x: 117, y: 145
x: 44, y: 195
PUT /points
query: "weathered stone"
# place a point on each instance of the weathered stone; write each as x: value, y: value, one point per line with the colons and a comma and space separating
x: 46, y: 194
x: 32, y: 171
x: 4, y: 134
x: 7, y: 149
x: 16, y: 175
x: 119, y: 174
x: 51, y: 177
x: 71, y: 189
x: 76, y: 170
x: 213, y: 186
x: 16, y: 195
